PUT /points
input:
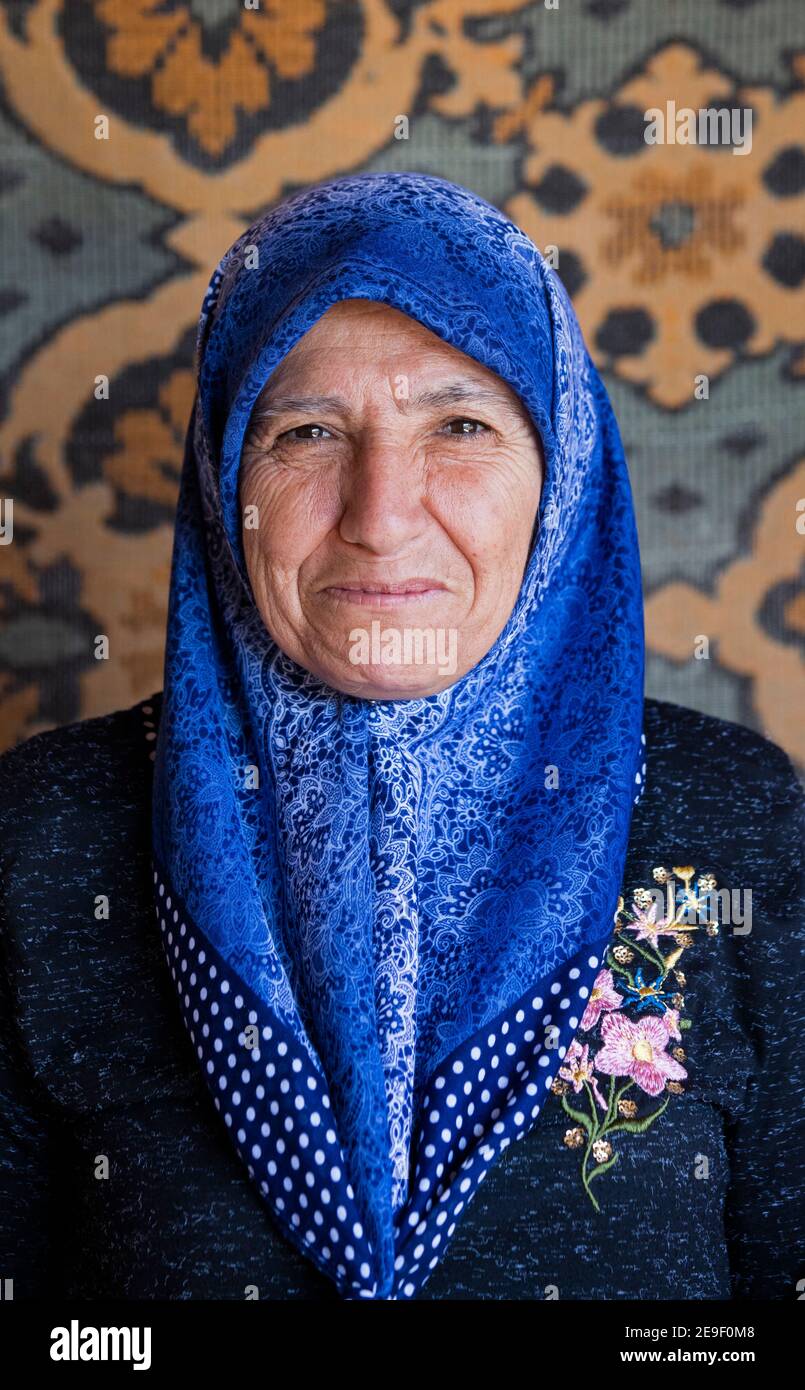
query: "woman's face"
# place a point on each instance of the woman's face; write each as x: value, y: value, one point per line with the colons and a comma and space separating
x: 388, y: 498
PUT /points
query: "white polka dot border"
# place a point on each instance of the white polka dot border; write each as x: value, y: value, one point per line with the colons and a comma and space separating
x: 273, y: 1102
x: 487, y: 1094
x: 640, y: 777
x: 149, y: 728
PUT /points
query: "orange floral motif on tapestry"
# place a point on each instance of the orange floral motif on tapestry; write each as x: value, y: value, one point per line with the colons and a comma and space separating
x: 145, y: 41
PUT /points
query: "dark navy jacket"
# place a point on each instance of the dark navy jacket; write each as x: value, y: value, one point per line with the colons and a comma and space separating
x: 704, y: 1201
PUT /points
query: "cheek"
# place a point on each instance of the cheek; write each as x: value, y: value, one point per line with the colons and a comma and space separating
x: 294, y: 512
x: 489, y: 510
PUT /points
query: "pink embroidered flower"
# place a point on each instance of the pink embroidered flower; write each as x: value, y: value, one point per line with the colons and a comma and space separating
x: 671, y: 1020
x: 646, y: 926
x: 602, y: 996
x: 578, y: 1068
x: 637, y: 1048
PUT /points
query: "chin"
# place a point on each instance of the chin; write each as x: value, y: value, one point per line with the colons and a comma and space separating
x: 390, y: 683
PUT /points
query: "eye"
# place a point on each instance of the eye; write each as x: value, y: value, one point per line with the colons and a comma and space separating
x: 467, y: 427
x: 292, y: 436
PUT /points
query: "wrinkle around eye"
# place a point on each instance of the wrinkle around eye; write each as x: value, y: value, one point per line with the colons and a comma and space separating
x: 483, y: 433
x: 257, y: 449
x: 284, y: 442
x: 286, y: 437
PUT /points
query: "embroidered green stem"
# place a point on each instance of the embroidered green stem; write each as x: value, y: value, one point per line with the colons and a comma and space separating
x: 609, y: 1125
x: 654, y: 956
x: 640, y: 1126
x: 588, y: 1177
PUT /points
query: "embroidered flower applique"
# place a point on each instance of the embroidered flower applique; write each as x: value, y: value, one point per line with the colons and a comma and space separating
x: 632, y: 1054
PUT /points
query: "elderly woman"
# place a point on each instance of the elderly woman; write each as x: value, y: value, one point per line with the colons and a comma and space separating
x: 400, y: 949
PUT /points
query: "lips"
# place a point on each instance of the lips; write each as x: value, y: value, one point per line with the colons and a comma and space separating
x: 402, y: 586
x: 385, y: 593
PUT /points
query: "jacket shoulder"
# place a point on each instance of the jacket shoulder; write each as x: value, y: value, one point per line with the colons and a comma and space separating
x: 720, y: 746
x: 718, y: 789
x: 49, y: 782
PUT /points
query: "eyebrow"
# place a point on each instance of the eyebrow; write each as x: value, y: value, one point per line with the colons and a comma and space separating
x: 452, y: 393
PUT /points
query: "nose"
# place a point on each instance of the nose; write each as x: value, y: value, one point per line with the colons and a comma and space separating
x: 382, y: 494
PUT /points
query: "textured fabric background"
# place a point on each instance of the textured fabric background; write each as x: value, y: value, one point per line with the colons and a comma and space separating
x: 681, y: 260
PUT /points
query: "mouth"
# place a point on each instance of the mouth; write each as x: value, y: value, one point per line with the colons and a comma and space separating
x: 385, y: 595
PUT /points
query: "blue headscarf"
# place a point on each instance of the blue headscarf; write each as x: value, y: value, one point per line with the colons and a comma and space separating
x: 383, y: 917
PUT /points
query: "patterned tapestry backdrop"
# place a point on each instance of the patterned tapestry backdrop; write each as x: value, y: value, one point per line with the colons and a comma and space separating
x: 682, y: 260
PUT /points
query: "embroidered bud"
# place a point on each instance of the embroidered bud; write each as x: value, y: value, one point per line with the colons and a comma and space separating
x: 660, y: 874
x: 602, y: 1150
x: 675, y: 1086
x: 574, y: 1138
x: 627, y: 1108
x: 622, y: 954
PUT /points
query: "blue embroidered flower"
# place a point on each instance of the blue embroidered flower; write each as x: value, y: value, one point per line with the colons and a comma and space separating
x: 647, y: 995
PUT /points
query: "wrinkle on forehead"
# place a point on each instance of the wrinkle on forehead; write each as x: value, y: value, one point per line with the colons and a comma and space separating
x: 476, y: 384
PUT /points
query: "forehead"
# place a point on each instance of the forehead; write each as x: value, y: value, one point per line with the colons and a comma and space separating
x: 358, y: 334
